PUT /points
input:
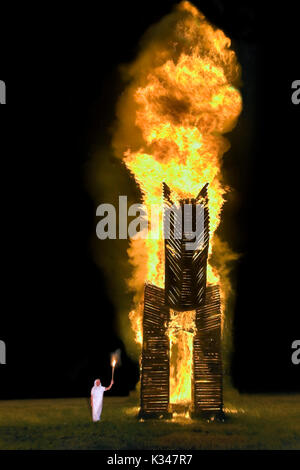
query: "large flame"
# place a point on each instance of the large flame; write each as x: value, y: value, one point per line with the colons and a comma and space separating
x: 181, y: 98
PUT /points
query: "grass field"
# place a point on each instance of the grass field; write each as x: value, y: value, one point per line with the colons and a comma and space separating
x: 254, y: 422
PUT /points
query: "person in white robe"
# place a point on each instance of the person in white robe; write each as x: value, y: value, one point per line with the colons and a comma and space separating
x: 97, y: 398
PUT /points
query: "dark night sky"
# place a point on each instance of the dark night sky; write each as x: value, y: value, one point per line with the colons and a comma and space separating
x: 58, y: 320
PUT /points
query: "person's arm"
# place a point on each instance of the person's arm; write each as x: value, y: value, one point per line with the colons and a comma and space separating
x: 111, y: 384
x: 91, y: 400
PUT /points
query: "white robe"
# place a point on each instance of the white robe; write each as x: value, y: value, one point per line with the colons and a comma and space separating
x: 97, y: 395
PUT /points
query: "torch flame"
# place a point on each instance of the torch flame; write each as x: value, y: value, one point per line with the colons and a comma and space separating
x: 181, y: 99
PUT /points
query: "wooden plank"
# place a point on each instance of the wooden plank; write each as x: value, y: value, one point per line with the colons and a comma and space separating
x: 155, y: 354
x: 185, y: 270
x: 208, y: 387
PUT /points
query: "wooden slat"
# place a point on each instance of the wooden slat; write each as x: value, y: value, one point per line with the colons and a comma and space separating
x: 185, y: 270
x: 155, y: 354
x: 208, y: 393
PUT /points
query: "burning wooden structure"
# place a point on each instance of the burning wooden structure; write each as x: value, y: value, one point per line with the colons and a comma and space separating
x: 186, y: 230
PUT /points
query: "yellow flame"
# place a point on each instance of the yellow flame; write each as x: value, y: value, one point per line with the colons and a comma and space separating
x: 137, y: 325
x: 181, y: 99
x: 181, y: 333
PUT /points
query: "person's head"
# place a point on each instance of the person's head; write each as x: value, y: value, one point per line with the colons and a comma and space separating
x: 97, y: 382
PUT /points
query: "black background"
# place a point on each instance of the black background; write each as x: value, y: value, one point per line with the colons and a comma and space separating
x: 61, y: 70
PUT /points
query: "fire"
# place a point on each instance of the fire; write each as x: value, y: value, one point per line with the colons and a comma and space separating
x: 181, y: 99
x: 181, y: 332
x: 115, y: 359
x: 136, y: 319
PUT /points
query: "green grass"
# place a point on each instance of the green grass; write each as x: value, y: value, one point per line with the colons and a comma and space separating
x: 254, y: 422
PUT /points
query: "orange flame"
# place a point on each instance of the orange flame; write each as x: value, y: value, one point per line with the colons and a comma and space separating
x: 136, y: 319
x: 181, y: 99
x: 181, y: 333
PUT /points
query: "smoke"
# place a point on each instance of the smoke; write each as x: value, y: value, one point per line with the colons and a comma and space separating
x: 223, y: 260
x: 116, y: 355
x: 107, y: 179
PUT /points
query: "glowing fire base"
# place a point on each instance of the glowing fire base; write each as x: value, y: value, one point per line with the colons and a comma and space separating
x: 197, y: 392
